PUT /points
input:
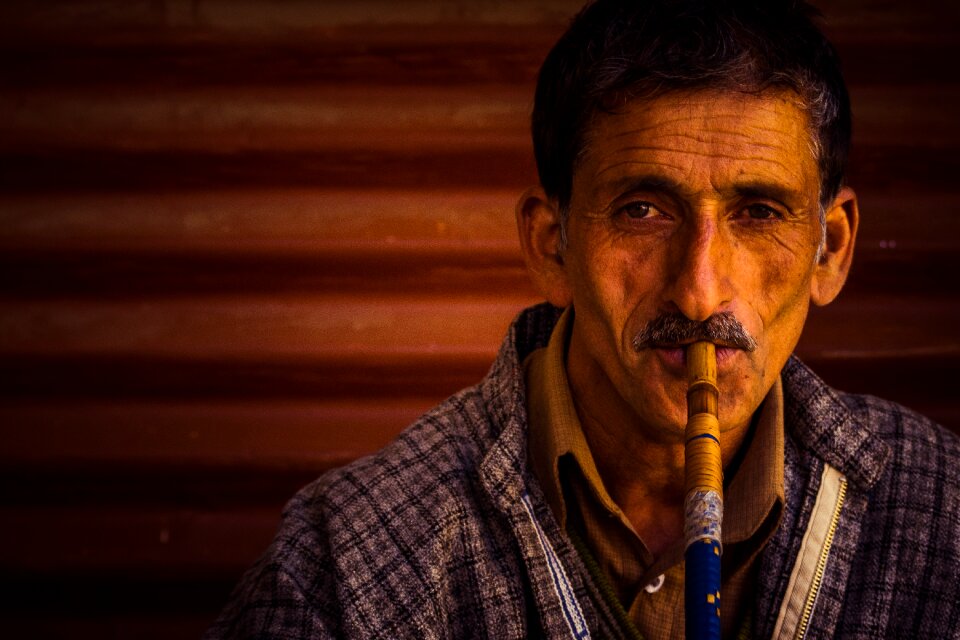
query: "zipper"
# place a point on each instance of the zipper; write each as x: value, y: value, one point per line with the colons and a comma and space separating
x: 821, y: 563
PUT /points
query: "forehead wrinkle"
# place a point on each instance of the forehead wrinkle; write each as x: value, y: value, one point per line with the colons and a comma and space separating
x: 629, y: 132
x: 705, y: 154
x: 722, y: 141
x: 748, y: 140
x: 704, y: 118
x: 675, y: 167
x: 680, y: 115
x: 681, y: 118
x: 738, y: 138
x: 654, y: 126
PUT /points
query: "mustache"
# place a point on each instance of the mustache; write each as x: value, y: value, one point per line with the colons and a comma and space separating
x: 673, y: 329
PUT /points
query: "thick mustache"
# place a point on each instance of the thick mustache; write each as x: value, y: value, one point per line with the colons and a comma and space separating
x: 673, y: 329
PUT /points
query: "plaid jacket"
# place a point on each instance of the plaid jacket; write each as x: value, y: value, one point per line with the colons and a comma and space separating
x: 445, y: 532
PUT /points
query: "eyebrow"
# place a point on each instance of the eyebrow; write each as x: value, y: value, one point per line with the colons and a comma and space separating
x: 767, y: 190
x: 646, y: 182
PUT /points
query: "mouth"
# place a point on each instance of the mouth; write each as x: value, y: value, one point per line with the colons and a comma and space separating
x: 675, y: 356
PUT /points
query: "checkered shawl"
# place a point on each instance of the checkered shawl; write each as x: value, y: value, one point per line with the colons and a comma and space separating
x: 446, y: 534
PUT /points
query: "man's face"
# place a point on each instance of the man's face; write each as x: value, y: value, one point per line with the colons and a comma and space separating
x: 692, y: 203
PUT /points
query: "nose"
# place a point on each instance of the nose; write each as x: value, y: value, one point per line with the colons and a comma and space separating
x: 700, y: 260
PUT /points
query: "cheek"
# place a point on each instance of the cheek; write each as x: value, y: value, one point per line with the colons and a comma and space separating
x: 609, y: 285
x: 780, y: 279
x: 777, y: 284
x: 783, y: 303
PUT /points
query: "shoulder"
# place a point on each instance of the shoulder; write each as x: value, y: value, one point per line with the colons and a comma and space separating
x: 431, y: 466
x: 896, y: 553
x: 918, y: 446
x: 918, y: 493
x: 397, y: 543
x: 909, y: 551
x: 368, y: 549
x: 904, y: 466
x: 865, y: 437
x: 407, y: 535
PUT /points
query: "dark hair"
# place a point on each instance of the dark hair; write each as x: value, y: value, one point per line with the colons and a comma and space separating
x: 616, y: 50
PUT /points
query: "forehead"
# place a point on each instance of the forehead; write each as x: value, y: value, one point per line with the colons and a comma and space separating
x: 700, y: 140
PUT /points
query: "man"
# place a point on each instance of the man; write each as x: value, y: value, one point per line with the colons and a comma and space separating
x: 691, y: 162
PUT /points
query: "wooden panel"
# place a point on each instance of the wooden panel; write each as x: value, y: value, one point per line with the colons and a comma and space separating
x: 291, y: 327
x: 242, y: 243
x: 248, y: 222
x: 293, y: 433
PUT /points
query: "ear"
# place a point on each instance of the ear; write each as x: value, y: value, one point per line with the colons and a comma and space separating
x: 538, y: 223
x: 842, y: 219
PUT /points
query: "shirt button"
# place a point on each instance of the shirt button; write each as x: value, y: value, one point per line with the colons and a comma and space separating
x: 654, y: 586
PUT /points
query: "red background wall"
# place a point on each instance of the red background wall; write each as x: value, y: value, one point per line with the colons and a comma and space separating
x: 244, y: 242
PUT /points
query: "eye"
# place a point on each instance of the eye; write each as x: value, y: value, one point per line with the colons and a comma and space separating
x: 762, y: 212
x: 638, y: 210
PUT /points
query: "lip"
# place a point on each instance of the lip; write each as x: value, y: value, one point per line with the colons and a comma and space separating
x: 675, y: 358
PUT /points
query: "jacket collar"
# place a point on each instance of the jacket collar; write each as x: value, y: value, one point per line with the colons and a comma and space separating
x: 505, y: 464
x: 817, y: 418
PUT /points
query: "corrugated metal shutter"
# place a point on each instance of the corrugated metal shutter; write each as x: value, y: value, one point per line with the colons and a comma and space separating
x: 244, y: 242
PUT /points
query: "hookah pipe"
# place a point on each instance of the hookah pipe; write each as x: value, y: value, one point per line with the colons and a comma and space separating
x: 703, y: 488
